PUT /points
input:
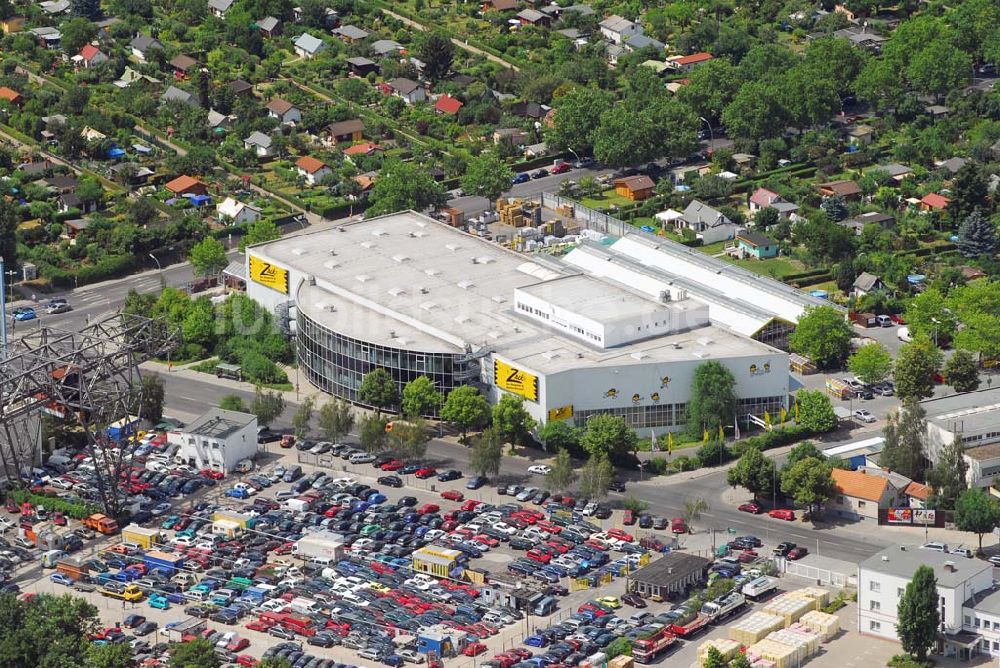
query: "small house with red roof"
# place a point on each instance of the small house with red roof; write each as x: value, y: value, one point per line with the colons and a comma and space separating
x: 186, y: 185
x: 312, y: 169
x: 446, y: 104
x: 933, y: 202
x: 366, y: 148
x: 90, y: 56
x: 11, y: 96
x: 688, y: 63
x: 859, y: 495
x: 762, y: 198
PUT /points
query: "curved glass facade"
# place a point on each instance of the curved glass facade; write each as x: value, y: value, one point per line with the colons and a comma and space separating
x: 336, y: 363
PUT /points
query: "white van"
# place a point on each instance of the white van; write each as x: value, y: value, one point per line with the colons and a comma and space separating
x: 903, y: 334
x: 305, y: 606
x: 52, y: 557
x: 935, y: 546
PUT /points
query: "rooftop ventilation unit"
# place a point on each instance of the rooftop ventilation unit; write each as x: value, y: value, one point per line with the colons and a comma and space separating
x: 420, y: 234
x: 639, y: 355
x: 700, y: 354
x: 363, y: 278
x: 429, y: 306
x: 432, y: 271
x: 493, y: 334
x: 423, y: 290
x: 452, y: 247
x: 664, y: 296
x: 367, y: 244
x: 401, y: 258
x: 395, y: 292
x: 705, y: 341
x: 333, y: 251
x: 465, y: 285
x: 550, y: 355
x: 340, y: 228
x: 331, y: 264
x: 484, y: 259
x: 378, y: 233
x: 499, y: 299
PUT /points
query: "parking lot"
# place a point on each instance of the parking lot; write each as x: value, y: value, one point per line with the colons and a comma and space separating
x: 368, y: 604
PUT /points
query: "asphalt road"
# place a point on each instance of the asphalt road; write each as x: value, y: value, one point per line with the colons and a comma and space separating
x: 475, y: 205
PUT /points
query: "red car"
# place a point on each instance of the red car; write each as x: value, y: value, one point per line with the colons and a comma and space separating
x: 782, y: 514
x: 620, y: 535
x: 452, y: 495
x: 539, y: 556
x: 561, y: 168
x: 426, y: 472
x: 505, y: 660
x: 548, y: 527
x: 428, y: 508
x: 597, y: 545
x: 561, y: 548
x: 486, y: 540
x: 11, y: 506
x: 521, y: 653
x: 750, y: 508
x: 746, y: 556
x: 797, y: 553
x: 246, y: 660
x: 898, y: 319
x: 470, y: 504
x: 392, y: 465
x: 474, y: 649
x: 214, y: 475
x: 678, y: 525
x: 629, y: 518
x: 238, y: 644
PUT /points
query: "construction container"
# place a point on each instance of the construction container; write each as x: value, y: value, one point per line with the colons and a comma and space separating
x: 621, y: 661
x: 789, y: 607
x: 822, y: 596
x: 753, y: 628
x: 822, y: 623
x: 728, y: 649
x: 783, y: 656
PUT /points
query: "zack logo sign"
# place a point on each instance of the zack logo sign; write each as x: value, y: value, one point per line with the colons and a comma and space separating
x: 268, y: 274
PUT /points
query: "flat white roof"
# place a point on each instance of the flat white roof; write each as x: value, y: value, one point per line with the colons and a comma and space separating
x: 407, y: 281
x: 591, y: 298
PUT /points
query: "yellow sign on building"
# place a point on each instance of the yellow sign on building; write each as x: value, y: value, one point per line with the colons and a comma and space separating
x: 515, y: 380
x: 269, y: 274
x: 561, y: 413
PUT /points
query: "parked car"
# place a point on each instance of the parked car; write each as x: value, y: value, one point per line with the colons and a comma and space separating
x: 540, y: 469
x: 797, y: 553
x: 864, y: 415
x: 782, y: 514
x: 752, y: 508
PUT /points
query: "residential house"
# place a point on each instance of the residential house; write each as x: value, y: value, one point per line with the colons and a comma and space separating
x: 330, y: 19
x: 951, y: 165
x: 73, y: 227
x: 346, y: 131
x: 917, y: 494
x: 509, y: 136
x: 860, y: 494
x: 130, y: 76
x: 70, y: 202
x: 366, y: 148
x: 174, y: 94
x: 499, y: 5
x: 897, y: 171
x: 385, y: 48
x: 866, y: 284
x: 410, y: 91
x: 744, y: 161
x: 54, y: 123
x: 219, y: 7
x: 35, y: 168
x: 130, y: 174
x: 141, y: 45
x: 708, y: 224
x: 532, y: 110
x: 849, y: 190
x: 183, y: 65
x: 933, y: 202
x: 617, y: 29
x: 635, y: 188
x: 756, y: 245
x: 447, y: 105
x: 186, y: 185
x: 260, y: 143
x: 762, y: 198
x: 861, y: 37
x: 937, y: 110
x: 11, y: 96
x: 361, y: 66
x: 313, y: 170
x: 857, y: 224
x: 365, y: 181
x: 234, y: 212
x: 61, y: 183
x: 351, y: 33
x: 533, y: 17
x: 12, y: 24
x: 972, y: 273
x: 90, y: 56
x: 219, y: 122
x: 860, y: 135
x: 307, y: 46
x: 688, y: 63
x: 538, y: 150
x: 47, y: 37
x: 283, y: 110
x: 269, y: 27
x: 637, y: 42
x: 55, y: 7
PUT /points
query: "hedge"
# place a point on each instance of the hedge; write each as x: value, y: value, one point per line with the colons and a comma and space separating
x: 75, y: 509
x: 769, y: 440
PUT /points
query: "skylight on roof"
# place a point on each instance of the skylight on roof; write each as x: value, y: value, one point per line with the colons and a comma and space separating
x: 395, y: 292
x: 367, y: 244
x: 465, y: 285
x: 429, y: 306
x: 452, y: 247
x: 400, y: 258
x: 363, y: 278
x: 331, y: 264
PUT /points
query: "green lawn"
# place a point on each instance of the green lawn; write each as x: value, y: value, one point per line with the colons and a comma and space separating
x: 775, y: 267
x: 606, y: 199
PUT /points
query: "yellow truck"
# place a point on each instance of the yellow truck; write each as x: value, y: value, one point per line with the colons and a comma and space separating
x: 141, y: 536
x: 130, y: 593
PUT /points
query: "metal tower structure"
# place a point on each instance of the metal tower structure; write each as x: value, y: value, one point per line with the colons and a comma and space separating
x: 90, y: 379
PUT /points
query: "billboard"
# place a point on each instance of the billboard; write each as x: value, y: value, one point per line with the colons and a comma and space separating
x: 515, y: 381
x: 899, y: 515
x: 268, y: 274
x: 925, y: 516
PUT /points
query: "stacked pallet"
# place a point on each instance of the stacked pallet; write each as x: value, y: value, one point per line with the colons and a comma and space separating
x: 790, y: 607
x: 751, y: 629
x: 822, y: 623
x: 822, y: 596
x: 621, y: 661
x: 805, y: 640
x: 727, y: 648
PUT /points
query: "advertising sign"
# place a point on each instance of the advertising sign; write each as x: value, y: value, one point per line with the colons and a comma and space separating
x: 899, y: 516
x: 515, y: 380
x: 924, y: 516
x: 269, y: 274
x: 561, y: 413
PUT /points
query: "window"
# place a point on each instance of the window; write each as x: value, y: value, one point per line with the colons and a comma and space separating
x: 968, y: 620
x: 874, y: 626
x: 875, y: 586
x: 875, y: 605
x: 861, y: 504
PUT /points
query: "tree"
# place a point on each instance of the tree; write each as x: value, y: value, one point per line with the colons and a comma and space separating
x: 822, y: 335
x: 939, y: 67
x: 835, y: 208
x: 618, y: 647
x: 962, y: 372
x: 596, y: 476
x: 815, y: 411
x: 151, y: 397
x: 918, y: 615
x: 402, y: 186
x: 740, y: 661
x: 871, y: 363
x: 714, y: 658
x: 809, y: 482
x: 969, y: 191
x: 976, y: 512
x: 466, y: 408
x: 88, y: 9
x: 267, y: 406
x: 947, y: 478
x: 928, y: 314
x: 693, y: 509
x: 487, y: 175
x: 336, y: 419
x: 115, y: 655
x: 198, y: 653
x: 378, y: 389
x: 258, y: 232
x: 905, y: 434
x: 977, y: 306
x: 436, y: 51
x: 421, y: 397
x: 511, y: 422
x: 9, y: 220
x: 277, y: 662
x: 76, y: 32
x: 916, y: 365
x: 755, y: 113
x: 608, y: 435
x: 558, y: 435
x: 487, y: 454
x: 208, y: 257
x: 625, y: 137
x: 302, y: 418
x: 409, y: 439
x: 711, y: 87
x: 977, y: 236
x: 713, y: 399
x: 576, y: 118
x: 372, y: 434
x: 562, y: 476
x: 45, y: 630
x: 754, y: 472
x: 803, y: 450
x: 233, y: 402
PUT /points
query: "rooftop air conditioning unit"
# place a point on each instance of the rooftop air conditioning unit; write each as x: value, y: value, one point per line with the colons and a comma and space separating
x: 664, y: 296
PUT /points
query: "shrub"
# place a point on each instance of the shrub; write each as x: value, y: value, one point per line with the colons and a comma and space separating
x: 714, y: 453
x: 74, y: 509
x: 685, y: 463
x: 656, y: 466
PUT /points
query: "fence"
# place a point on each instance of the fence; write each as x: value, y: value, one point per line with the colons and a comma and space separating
x: 824, y: 576
x: 591, y: 219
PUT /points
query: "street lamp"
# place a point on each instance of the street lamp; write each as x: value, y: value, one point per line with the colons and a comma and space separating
x: 711, y: 134
x: 163, y: 282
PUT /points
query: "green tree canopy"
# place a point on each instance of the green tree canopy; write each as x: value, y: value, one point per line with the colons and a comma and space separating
x: 808, y: 482
x: 421, y: 397
x: 267, y: 406
x: 576, y: 119
x: 258, y: 232
x: 563, y: 475
x: 335, y: 419
x: 961, y: 371
x: 233, y: 402
x: 302, y: 418
x: 977, y: 306
x: 510, y: 420
x: 466, y: 408
x: 372, y: 434
x: 487, y: 175
x: 929, y: 314
x: 815, y: 411
x: 608, y: 435
x: 917, y: 612
x: 436, y: 51
x: 916, y: 365
x: 487, y: 454
x: 823, y: 336
x: 198, y: 653
x: 208, y: 257
x: 596, y: 476
x: 977, y: 512
x: 713, y: 399
x: 402, y: 186
x: 947, y: 478
x: 152, y: 394
x: 754, y: 472
x: 905, y: 434
x: 378, y: 389
x: 977, y: 236
x: 871, y: 363
x: 559, y: 434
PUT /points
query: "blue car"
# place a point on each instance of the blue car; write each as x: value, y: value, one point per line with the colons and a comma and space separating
x: 536, y: 641
x: 237, y: 493
x: 25, y: 314
x: 159, y: 602
x: 62, y: 579
x: 477, y: 481
x: 523, y: 177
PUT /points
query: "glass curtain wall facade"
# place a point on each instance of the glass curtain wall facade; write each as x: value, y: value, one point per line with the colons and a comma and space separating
x: 673, y: 415
x: 336, y: 363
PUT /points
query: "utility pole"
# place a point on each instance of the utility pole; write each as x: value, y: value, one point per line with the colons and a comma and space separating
x: 3, y: 311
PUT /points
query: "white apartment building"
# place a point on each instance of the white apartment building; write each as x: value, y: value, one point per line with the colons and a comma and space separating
x: 217, y: 440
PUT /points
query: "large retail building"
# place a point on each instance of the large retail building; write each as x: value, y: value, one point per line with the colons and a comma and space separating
x: 607, y: 330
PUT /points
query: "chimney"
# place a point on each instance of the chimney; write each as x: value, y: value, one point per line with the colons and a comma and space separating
x: 949, y: 566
